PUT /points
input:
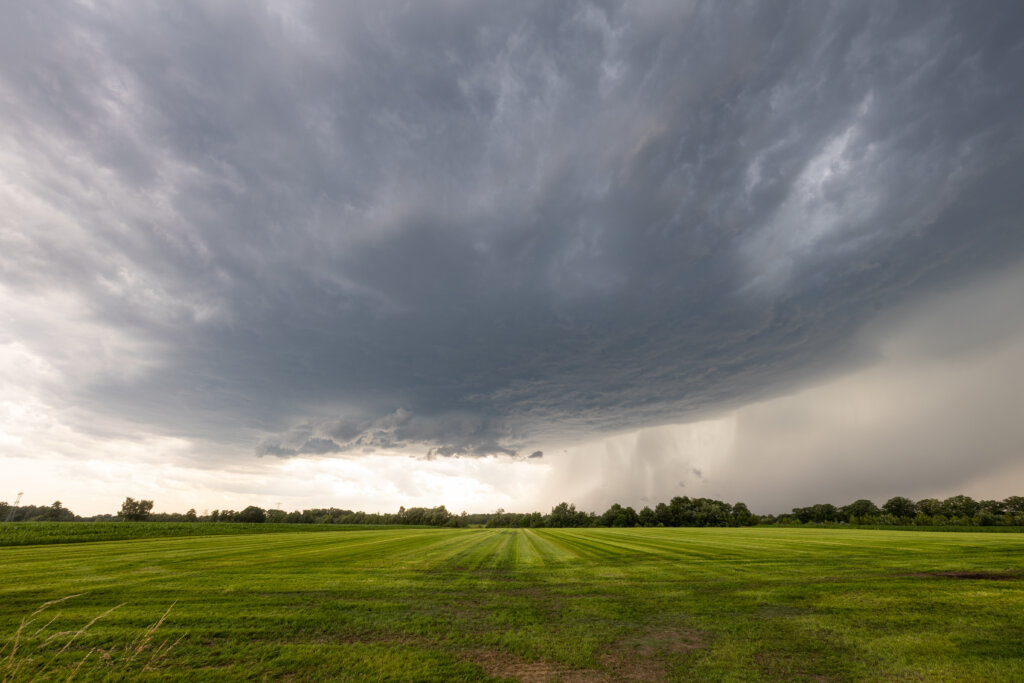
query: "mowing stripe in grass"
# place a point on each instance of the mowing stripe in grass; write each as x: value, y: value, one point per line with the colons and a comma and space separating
x: 526, y: 552
x: 552, y: 554
x: 701, y: 604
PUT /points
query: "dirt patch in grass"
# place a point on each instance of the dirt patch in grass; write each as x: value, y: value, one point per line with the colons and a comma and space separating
x: 642, y: 658
x: 987, y: 576
x: 507, y: 665
x: 785, y: 667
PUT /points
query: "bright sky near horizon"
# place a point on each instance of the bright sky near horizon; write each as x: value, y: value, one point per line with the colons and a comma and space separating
x: 375, y: 254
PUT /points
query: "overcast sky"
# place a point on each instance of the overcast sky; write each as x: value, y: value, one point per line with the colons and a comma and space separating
x: 503, y: 255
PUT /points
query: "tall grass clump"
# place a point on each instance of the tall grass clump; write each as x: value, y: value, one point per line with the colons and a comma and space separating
x: 41, y: 648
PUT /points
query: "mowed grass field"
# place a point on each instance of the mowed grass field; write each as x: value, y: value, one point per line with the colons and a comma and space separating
x: 35, y: 533
x: 548, y: 604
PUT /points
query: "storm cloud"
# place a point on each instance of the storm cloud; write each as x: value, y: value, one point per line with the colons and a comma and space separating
x: 936, y: 414
x: 467, y: 229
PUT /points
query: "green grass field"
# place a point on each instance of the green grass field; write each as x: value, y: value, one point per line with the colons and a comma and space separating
x: 36, y: 533
x: 551, y: 604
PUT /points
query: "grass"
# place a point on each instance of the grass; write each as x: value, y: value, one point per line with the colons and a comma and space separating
x: 39, y: 533
x: 549, y: 604
x: 34, y: 651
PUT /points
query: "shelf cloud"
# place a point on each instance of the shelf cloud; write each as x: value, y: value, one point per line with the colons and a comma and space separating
x: 465, y: 230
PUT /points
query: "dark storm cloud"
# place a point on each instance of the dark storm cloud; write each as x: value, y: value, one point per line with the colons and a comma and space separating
x: 467, y: 228
x: 938, y: 414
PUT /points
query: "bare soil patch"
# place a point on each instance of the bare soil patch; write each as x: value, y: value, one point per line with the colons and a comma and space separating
x: 786, y: 667
x: 508, y: 665
x: 987, y: 576
x: 642, y: 658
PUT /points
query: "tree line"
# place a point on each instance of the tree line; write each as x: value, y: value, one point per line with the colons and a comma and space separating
x: 681, y: 511
x: 953, y: 511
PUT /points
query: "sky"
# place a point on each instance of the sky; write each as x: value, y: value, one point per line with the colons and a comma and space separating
x: 501, y: 255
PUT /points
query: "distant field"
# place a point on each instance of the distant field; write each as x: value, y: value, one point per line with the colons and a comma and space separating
x: 37, y: 533
x: 550, y: 604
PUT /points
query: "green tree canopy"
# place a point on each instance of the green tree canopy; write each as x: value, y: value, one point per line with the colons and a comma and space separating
x: 251, y: 514
x: 900, y: 507
x: 135, y: 510
x: 860, y: 510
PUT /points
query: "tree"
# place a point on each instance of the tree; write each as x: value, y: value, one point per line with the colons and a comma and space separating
x: 251, y: 514
x: 619, y: 516
x: 861, y: 511
x: 190, y: 516
x: 710, y: 512
x: 664, y: 514
x: 824, y: 512
x: 900, y: 507
x: 566, y: 515
x: 135, y: 510
x: 996, y: 508
x: 985, y: 518
x: 58, y: 513
x: 438, y: 516
x: 818, y: 513
x: 562, y: 515
x: 960, y: 506
x: 681, y: 511
x: 608, y: 518
x: 1014, y: 504
x: 742, y: 516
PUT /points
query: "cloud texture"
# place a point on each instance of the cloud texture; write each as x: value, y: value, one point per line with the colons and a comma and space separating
x: 936, y: 414
x: 473, y: 229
